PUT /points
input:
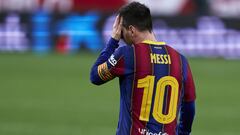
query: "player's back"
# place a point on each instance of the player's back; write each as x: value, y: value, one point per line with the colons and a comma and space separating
x: 158, y: 88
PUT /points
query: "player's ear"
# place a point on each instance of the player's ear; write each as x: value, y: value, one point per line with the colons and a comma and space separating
x: 132, y: 30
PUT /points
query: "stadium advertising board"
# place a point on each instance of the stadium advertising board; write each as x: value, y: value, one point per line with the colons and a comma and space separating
x: 68, y: 33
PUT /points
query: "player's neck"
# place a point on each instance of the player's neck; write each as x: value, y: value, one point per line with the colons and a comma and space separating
x: 145, y: 36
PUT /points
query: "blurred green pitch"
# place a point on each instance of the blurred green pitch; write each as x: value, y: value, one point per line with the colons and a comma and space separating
x: 52, y: 95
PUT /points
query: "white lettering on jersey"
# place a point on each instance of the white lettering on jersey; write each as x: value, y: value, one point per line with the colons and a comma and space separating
x: 112, y: 60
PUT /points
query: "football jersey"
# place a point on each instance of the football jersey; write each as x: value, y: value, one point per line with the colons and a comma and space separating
x: 154, y: 80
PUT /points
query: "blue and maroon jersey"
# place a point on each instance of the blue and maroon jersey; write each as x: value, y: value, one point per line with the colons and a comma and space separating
x: 155, y: 80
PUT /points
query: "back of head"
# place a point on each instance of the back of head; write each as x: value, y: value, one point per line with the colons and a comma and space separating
x: 137, y: 15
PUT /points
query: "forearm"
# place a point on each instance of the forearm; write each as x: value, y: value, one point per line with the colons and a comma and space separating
x: 186, y: 118
x: 107, y: 51
x: 103, y: 57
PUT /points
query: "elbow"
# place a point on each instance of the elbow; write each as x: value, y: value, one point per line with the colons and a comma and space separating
x: 94, y: 81
x: 94, y: 78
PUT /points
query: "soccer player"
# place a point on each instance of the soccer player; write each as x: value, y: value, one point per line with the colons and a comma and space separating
x: 156, y: 82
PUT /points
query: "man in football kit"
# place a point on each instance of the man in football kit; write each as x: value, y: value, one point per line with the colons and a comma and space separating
x: 156, y: 82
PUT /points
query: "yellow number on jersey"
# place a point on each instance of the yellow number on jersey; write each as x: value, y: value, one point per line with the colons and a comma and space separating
x: 148, y: 84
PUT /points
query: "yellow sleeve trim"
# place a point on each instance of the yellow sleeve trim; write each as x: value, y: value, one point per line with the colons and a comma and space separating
x: 104, y: 73
x: 153, y: 42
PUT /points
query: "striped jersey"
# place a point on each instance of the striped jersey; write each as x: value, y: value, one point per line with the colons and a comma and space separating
x: 154, y: 81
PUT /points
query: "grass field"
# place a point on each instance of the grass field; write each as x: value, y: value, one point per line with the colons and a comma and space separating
x: 52, y: 95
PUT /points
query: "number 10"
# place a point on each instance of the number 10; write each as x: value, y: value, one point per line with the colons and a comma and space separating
x: 148, y: 84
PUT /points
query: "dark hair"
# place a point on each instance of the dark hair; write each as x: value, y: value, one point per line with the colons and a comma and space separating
x: 136, y: 14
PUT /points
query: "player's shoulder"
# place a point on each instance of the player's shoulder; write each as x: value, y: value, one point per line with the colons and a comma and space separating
x: 179, y: 54
x: 125, y: 49
x: 170, y: 48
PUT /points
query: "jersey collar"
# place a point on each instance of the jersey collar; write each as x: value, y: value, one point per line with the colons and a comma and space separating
x: 153, y: 42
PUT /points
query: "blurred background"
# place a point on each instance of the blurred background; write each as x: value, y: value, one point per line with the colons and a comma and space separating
x: 47, y: 48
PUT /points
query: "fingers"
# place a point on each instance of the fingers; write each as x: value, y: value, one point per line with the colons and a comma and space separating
x: 119, y: 24
x: 120, y: 21
x: 117, y: 28
x: 116, y: 21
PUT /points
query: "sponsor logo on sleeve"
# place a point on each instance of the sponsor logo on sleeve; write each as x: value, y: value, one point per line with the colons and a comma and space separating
x: 112, y: 60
